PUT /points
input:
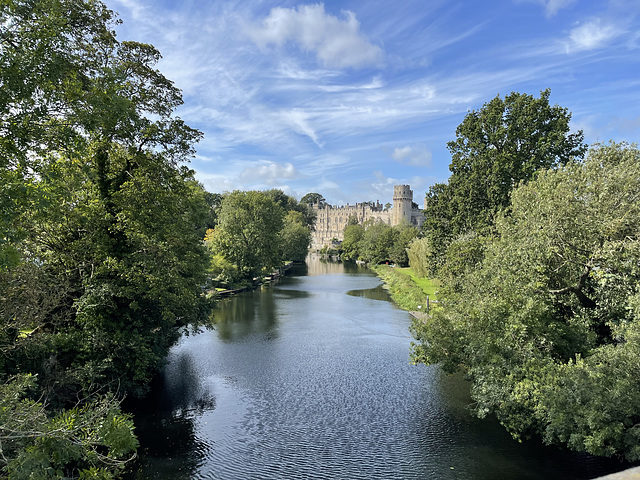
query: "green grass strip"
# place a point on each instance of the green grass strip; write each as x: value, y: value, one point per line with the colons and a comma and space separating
x: 406, y: 292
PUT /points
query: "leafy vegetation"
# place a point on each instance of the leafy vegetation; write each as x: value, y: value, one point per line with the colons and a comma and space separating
x: 377, y: 242
x: 504, y: 143
x: 101, y: 227
x: 544, y: 316
x: 255, y: 233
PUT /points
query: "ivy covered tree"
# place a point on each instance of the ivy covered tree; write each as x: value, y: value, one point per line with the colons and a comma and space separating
x: 547, y: 325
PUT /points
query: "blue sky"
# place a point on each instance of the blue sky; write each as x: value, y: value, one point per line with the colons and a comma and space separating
x: 348, y: 98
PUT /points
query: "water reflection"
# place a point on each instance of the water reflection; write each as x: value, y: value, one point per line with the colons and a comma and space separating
x: 257, y: 313
x: 311, y: 378
x: 319, y: 266
x: 377, y: 293
x: 166, y: 423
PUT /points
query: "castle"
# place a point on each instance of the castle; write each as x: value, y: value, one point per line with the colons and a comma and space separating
x: 331, y: 221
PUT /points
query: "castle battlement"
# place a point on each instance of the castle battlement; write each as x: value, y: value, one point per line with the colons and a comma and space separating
x: 331, y: 220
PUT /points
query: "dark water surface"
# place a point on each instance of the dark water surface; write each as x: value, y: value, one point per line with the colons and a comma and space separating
x: 311, y: 379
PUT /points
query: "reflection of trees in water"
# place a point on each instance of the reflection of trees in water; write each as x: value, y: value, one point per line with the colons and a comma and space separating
x: 376, y: 293
x: 165, y: 422
x: 320, y: 266
x: 244, y: 314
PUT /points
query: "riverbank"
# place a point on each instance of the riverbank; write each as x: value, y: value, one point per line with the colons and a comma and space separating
x: 256, y: 282
x: 406, y: 292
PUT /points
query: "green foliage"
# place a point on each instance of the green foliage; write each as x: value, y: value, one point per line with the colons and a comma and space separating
x: 295, y: 237
x: 311, y: 198
x: 546, y: 325
x: 351, y: 245
x: 496, y: 148
x: 255, y: 233
x: 377, y: 242
x: 419, y: 254
x: 404, y: 291
x: 101, y: 255
x: 398, y: 252
x: 92, y: 440
x: 223, y: 273
x: 247, y: 232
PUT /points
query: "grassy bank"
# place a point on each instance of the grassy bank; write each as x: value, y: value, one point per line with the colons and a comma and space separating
x: 407, y: 290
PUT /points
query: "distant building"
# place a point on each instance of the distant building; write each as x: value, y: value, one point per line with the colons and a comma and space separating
x: 331, y: 220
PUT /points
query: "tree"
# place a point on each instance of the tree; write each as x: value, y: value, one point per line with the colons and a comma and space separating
x: 377, y: 242
x: 547, y: 326
x: 312, y: 198
x: 496, y: 148
x: 101, y: 257
x: 405, y: 234
x: 351, y: 244
x: 295, y: 237
x: 248, y: 230
x: 419, y: 252
x: 502, y: 144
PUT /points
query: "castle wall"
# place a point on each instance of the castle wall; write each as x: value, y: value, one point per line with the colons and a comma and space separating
x: 331, y: 221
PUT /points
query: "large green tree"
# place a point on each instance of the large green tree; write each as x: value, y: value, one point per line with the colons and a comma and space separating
x: 295, y: 237
x: 101, y: 261
x: 496, y: 147
x: 247, y: 234
x: 547, y: 326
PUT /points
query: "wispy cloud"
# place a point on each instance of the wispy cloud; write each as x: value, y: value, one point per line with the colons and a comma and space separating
x: 337, y: 43
x: 418, y: 156
x: 552, y: 7
x: 314, y: 98
x: 593, y: 34
x: 299, y: 122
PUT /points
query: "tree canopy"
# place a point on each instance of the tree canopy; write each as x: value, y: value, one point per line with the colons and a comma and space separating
x: 255, y: 232
x: 101, y: 225
x: 376, y: 242
x: 547, y: 324
x: 496, y: 147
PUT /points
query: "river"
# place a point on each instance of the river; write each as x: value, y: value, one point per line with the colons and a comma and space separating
x: 311, y: 379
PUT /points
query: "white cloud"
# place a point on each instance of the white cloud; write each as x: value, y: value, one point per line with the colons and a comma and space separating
x: 217, y: 183
x: 299, y: 121
x: 337, y: 43
x: 591, y: 35
x: 137, y: 9
x: 417, y: 156
x: 269, y: 173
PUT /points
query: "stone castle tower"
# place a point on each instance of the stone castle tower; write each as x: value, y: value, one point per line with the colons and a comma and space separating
x: 331, y: 221
x: 402, y: 204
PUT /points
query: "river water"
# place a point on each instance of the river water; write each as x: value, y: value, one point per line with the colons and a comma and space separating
x: 311, y: 379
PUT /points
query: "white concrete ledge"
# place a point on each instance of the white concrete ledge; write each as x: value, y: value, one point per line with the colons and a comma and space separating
x: 631, y: 474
